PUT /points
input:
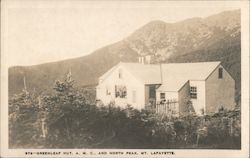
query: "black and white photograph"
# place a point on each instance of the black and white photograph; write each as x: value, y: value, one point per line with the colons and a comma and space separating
x: 124, y: 78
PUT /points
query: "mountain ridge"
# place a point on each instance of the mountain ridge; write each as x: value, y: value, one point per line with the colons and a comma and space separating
x: 216, y: 37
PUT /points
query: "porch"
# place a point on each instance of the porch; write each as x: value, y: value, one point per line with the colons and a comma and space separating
x: 166, y: 107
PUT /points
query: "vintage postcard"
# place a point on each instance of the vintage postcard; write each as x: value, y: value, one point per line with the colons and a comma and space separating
x: 124, y: 78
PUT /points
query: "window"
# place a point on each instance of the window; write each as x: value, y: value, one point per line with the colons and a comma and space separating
x: 162, y: 96
x: 108, y: 91
x: 193, y: 92
x: 134, y: 96
x: 151, y: 91
x: 120, y: 73
x: 120, y: 91
x: 220, y: 72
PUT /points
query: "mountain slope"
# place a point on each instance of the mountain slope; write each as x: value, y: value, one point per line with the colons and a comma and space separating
x: 216, y: 37
x: 85, y: 70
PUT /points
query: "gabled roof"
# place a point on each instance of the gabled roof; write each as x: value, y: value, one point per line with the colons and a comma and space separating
x: 147, y: 73
x: 108, y: 72
x: 175, y: 75
x: 172, y: 76
x: 172, y: 85
x: 190, y: 71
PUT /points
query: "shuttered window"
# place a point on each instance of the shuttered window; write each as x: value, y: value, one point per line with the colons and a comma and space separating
x: 120, y: 91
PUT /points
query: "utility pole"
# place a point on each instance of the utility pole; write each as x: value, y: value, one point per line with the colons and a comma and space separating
x: 69, y: 76
x: 43, y: 118
x: 25, y: 91
x: 24, y: 84
x: 161, y: 72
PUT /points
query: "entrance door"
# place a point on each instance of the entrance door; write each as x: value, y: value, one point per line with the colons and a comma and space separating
x: 152, y: 92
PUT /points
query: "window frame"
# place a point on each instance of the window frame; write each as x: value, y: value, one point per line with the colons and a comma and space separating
x: 134, y: 96
x: 162, y: 94
x: 120, y: 74
x: 108, y: 91
x: 119, y: 93
x: 193, y: 92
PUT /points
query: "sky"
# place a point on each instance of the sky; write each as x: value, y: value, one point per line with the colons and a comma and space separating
x: 42, y: 31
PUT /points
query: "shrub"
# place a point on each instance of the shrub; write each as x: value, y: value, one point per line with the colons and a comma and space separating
x: 67, y: 119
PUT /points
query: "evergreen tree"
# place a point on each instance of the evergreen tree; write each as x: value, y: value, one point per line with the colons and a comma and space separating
x: 23, y: 125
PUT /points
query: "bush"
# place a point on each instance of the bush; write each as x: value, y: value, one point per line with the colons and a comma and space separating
x: 67, y: 119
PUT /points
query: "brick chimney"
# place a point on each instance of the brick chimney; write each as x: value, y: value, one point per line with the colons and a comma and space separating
x: 141, y: 59
x: 144, y: 59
